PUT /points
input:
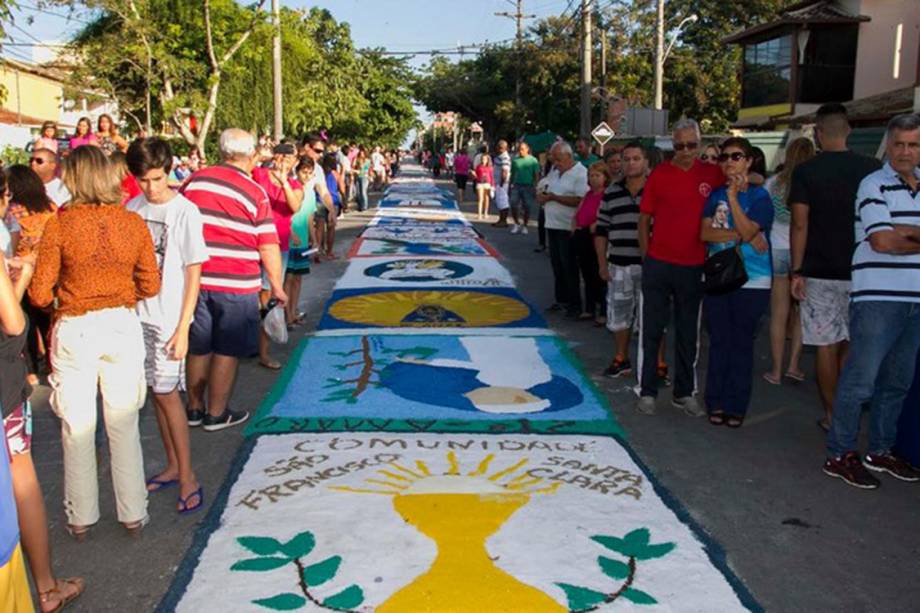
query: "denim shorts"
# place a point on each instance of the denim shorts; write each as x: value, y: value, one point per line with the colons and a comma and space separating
x: 225, y: 323
x: 782, y: 262
x: 523, y: 197
x: 266, y: 286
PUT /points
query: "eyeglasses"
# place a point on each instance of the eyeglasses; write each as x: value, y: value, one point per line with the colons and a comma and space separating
x: 37, y: 161
x: 315, y: 150
x: 737, y: 156
x: 688, y: 146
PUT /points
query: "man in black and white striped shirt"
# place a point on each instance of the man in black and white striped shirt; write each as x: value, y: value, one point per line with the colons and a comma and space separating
x: 885, y: 314
x: 618, y: 255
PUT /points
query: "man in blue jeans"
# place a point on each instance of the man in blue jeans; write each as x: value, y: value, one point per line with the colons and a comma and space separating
x: 884, y: 315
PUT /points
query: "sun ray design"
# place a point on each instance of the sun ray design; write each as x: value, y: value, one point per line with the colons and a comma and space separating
x: 483, y: 466
x: 403, y: 481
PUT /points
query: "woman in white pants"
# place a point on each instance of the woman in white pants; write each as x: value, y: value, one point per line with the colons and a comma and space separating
x: 96, y: 260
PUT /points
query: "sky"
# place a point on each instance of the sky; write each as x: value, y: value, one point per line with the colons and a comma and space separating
x: 396, y: 25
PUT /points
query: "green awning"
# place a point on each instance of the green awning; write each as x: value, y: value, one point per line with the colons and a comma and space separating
x: 540, y: 142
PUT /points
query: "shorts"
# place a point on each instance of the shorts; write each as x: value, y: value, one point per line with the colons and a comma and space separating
x: 782, y: 262
x: 164, y: 375
x: 623, y: 296
x: 483, y: 187
x: 225, y: 323
x: 321, y: 214
x: 17, y: 426
x: 501, y: 198
x: 298, y: 261
x: 523, y: 198
x: 266, y: 286
x: 460, y: 180
x: 825, y: 312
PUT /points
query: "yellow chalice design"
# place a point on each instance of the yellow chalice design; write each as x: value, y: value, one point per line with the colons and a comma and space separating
x: 460, y: 512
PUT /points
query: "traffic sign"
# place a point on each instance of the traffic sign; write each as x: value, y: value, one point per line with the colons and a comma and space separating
x: 602, y: 133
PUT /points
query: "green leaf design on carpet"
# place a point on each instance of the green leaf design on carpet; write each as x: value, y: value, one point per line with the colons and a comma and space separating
x: 636, y: 546
x: 273, y: 554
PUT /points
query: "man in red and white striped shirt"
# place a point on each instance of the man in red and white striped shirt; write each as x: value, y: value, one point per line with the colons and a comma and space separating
x: 240, y: 235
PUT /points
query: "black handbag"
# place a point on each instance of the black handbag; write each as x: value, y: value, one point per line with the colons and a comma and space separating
x: 724, y: 272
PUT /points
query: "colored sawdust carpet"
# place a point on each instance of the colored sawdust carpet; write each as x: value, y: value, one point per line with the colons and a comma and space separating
x: 420, y: 232
x: 364, y: 247
x: 434, y: 383
x: 461, y: 523
x: 394, y: 272
x: 492, y: 307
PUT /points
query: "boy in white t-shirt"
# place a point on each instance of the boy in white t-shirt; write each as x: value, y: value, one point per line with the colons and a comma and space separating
x: 176, y: 227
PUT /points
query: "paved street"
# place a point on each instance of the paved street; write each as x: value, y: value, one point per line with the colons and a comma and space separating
x: 799, y: 540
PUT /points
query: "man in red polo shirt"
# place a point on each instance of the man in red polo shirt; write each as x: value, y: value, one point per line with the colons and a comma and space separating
x: 672, y: 267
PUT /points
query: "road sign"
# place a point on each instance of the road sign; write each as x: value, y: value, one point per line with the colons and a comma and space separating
x: 602, y: 133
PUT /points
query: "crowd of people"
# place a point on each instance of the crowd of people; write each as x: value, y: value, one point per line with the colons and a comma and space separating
x: 644, y: 243
x: 132, y: 273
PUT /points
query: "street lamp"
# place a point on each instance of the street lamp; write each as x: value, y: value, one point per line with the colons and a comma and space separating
x: 661, y: 55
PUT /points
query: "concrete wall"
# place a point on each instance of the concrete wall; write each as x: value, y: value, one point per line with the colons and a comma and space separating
x: 31, y: 94
x: 877, y: 54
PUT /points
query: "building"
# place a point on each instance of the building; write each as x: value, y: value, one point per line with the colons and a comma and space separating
x: 36, y: 93
x: 865, y: 52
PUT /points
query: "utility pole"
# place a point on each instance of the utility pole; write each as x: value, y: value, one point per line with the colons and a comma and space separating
x: 586, y: 43
x: 276, y: 70
x: 659, y: 57
x: 518, y: 16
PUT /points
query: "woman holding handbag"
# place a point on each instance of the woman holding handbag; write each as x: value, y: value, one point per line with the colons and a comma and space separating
x: 737, y: 217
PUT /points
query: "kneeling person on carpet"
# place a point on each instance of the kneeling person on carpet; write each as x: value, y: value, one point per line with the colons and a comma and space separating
x: 176, y: 229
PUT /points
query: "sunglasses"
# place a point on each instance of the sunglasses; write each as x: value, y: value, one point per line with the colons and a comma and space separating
x: 737, y: 156
x: 688, y: 146
x: 315, y: 150
x: 706, y: 157
x: 37, y: 161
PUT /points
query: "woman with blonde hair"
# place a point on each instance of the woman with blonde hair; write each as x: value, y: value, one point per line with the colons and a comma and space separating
x: 784, y: 313
x: 107, y: 135
x: 95, y: 261
x: 485, y: 184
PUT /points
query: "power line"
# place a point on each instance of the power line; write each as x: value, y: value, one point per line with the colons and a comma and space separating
x: 37, y: 9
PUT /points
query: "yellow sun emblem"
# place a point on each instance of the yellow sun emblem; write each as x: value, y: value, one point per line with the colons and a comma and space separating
x: 430, y: 308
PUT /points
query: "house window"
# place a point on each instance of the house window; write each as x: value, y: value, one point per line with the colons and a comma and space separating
x: 767, y: 72
x: 828, y: 64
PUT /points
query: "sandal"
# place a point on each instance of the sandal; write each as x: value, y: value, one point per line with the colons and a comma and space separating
x: 796, y: 376
x: 271, y: 365
x: 160, y: 484
x: 824, y: 424
x: 185, y: 507
x: 717, y: 418
x: 734, y: 421
x: 59, y: 594
x: 78, y: 533
x: 769, y: 378
x: 135, y: 528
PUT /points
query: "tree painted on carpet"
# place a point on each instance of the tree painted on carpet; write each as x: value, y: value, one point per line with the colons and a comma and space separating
x: 272, y: 554
x: 634, y: 547
x: 370, y: 366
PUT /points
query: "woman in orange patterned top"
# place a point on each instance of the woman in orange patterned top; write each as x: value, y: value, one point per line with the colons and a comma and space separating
x: 32, y: 208
x: 97, y: 260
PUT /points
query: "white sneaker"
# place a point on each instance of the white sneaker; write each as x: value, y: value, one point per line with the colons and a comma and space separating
x: 689, y: 405
x: 646, y: 405
x: 515, y: 228
x: 523, y: 229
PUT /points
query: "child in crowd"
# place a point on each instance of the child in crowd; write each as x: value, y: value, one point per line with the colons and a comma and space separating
x: 303, y: 243
x: 176, y: 228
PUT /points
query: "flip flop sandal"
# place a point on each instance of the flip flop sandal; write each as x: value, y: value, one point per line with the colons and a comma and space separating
x: 717, y: 418
x: 822, y: 423
x: 270, y: 365
x: 78, y: 533
x: 63, y: 601
x: 734, y: 421
x: 160, y: 484
x: 772, y: 381
x: 184, y: 506
x: 796, y: 376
